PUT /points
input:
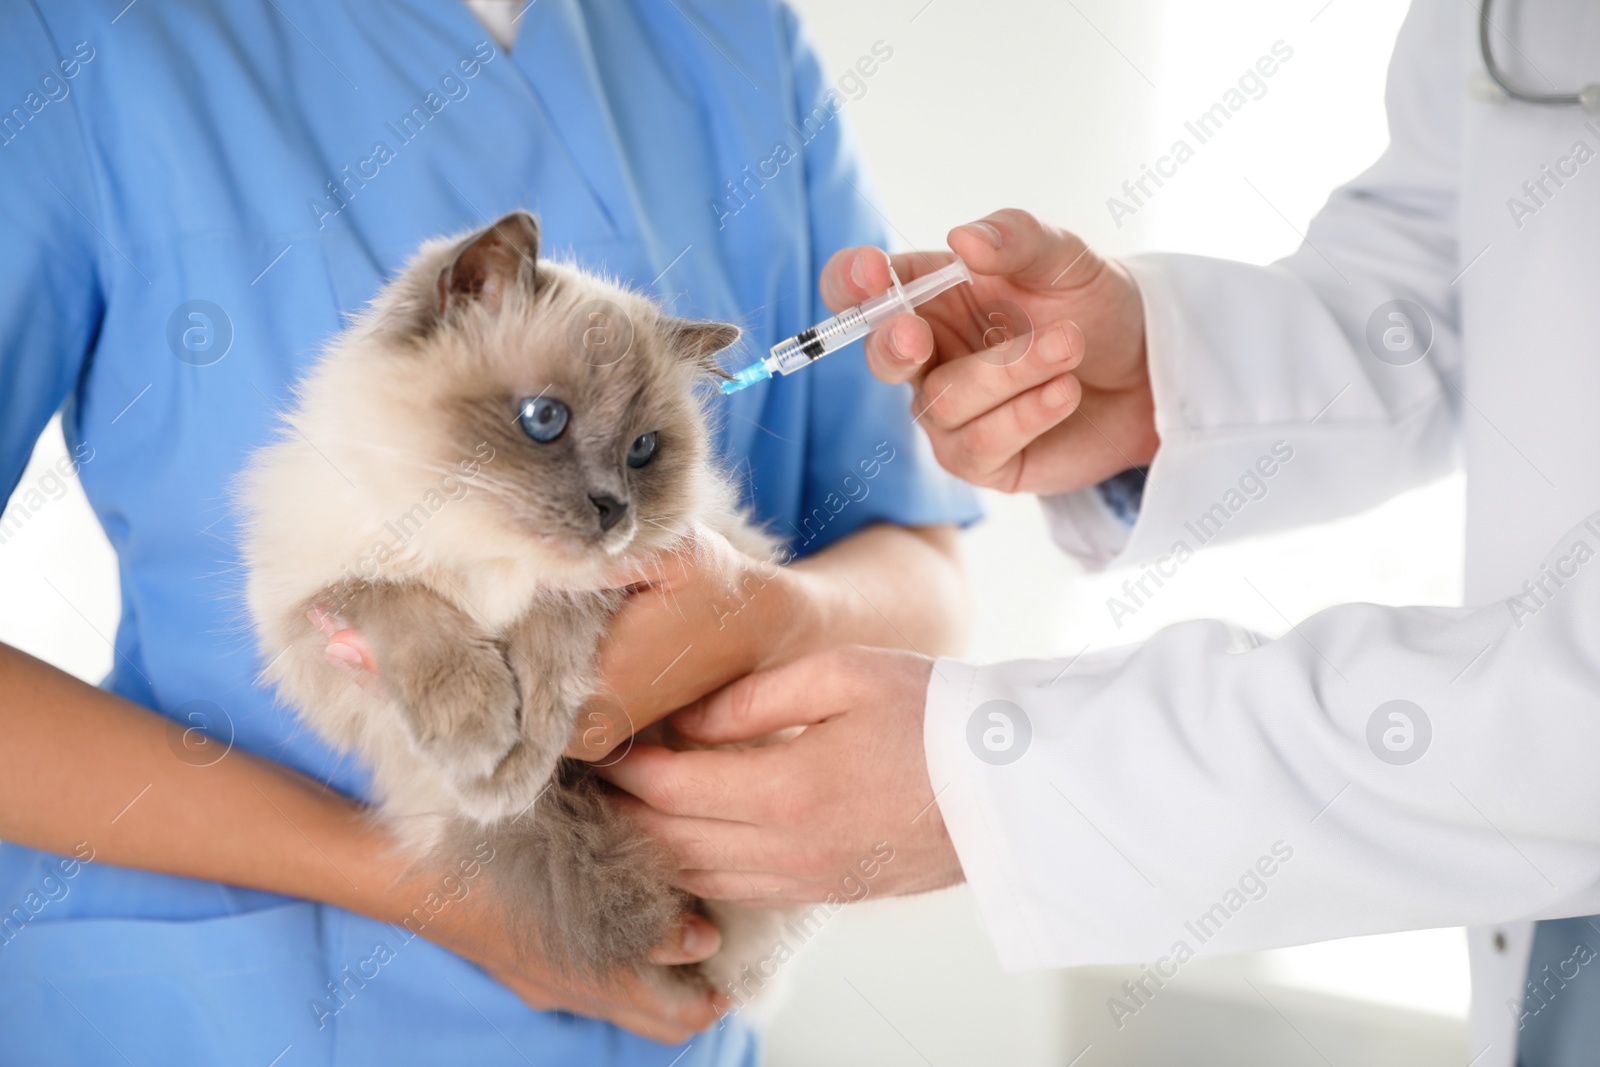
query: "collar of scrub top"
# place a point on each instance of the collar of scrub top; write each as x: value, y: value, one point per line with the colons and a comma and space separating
x: 1495, y: 85
x: 501, y: 18
x: 567, y: 87
x: 551, y: 57
x: 543, y: 55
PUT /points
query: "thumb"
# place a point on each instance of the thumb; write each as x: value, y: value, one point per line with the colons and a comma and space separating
x: 802, y: 693
x: 693, y: 939
x: 1012, y: 242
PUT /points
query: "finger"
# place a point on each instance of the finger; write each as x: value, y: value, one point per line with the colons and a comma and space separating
x: 801, y: 693
x: 1012, y: 242
x: 713, y: 785
x: 693, y: 939
x: 1089, y: 447
x: 663, y: 1013
x: 715, y: 844
x: 671, y: 1016
x: 754, y: 888
x: 852, y: 275
x: 899, y: 349
x: 990, y: 451
x: 953, y: 394
x: 602, y: 725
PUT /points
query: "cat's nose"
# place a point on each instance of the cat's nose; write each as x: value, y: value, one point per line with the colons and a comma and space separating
x: 610, y: 508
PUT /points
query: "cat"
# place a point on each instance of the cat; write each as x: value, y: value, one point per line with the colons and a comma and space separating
x: 459, y: 471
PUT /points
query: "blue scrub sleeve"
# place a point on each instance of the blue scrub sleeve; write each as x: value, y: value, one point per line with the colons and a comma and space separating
x: 50, y: 296
x: 869, y: 462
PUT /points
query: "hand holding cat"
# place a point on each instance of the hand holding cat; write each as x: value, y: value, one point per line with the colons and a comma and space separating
x: 846, y: 800
x: 700, y: 616
x: 997, y: 404
x: 474, y: 926
x: 668, y: 1015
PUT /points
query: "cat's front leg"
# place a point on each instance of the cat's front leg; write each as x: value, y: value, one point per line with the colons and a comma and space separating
x: 552, y: 651
x: 459, y: 700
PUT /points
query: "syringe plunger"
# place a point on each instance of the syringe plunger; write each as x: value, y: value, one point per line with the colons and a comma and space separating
x: 852, y: 324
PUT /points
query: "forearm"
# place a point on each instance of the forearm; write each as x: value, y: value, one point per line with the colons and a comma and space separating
x: 1421, y: 767
x: 80, y: 765
x: 889, y: 587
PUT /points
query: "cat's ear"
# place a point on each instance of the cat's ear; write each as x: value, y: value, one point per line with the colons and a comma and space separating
x: 699, y: 342
x: 492, y: 263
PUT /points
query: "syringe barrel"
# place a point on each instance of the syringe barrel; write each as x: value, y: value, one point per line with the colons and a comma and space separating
x: 808, y: 346
x: 827, y: 336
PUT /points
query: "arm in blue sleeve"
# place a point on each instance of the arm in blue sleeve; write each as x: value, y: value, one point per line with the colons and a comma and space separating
x: 50, y: 297
x: 868, y: 462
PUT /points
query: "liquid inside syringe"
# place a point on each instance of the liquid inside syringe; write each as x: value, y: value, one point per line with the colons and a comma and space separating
x: 852, y: 324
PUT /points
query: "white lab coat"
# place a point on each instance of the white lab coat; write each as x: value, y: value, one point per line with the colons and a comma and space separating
x: 1157, y: 777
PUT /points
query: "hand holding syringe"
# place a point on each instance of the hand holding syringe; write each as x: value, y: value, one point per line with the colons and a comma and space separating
x: 999, y: 367
x: 851, y: 324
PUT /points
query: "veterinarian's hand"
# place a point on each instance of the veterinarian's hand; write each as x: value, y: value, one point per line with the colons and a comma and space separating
x: 700, y: 616
x: 711, y: 614
x: 1047, y: 329
x: 845, y: 804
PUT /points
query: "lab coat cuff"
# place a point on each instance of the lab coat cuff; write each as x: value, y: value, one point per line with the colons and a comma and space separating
x: 1082, y: 524
x: 975, y: 822
x: 1185, y: 503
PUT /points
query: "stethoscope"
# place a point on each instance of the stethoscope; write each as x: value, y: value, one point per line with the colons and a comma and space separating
x: 1588, y: 98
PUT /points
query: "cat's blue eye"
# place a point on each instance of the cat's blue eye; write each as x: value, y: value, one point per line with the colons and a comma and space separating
x: 643, y: 450
x: 544, y: 418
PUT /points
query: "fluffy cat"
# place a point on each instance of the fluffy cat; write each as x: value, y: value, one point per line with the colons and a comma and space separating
x: 459, y: 470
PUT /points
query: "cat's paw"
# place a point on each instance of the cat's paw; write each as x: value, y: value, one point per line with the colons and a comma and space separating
x: 463, y: 712
x: 513, y: 789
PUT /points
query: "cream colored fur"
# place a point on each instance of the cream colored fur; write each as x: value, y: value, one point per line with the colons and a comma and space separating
x: 382, y: 425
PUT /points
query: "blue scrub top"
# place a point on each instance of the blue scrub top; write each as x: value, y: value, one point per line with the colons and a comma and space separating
x: 265, y: 164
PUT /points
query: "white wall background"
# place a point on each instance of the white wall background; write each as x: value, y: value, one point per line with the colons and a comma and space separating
x: 1051, y: 105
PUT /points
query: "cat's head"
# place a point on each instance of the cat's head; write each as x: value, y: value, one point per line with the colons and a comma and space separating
x: 583, y: 396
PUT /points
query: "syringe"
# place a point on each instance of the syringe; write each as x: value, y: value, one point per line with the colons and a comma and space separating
x: 808, y: 346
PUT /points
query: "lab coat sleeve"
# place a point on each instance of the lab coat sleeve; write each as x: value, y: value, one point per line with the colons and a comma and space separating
x: 1373, y: 769
x: 50, y: 301
x: 1249, y: 361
